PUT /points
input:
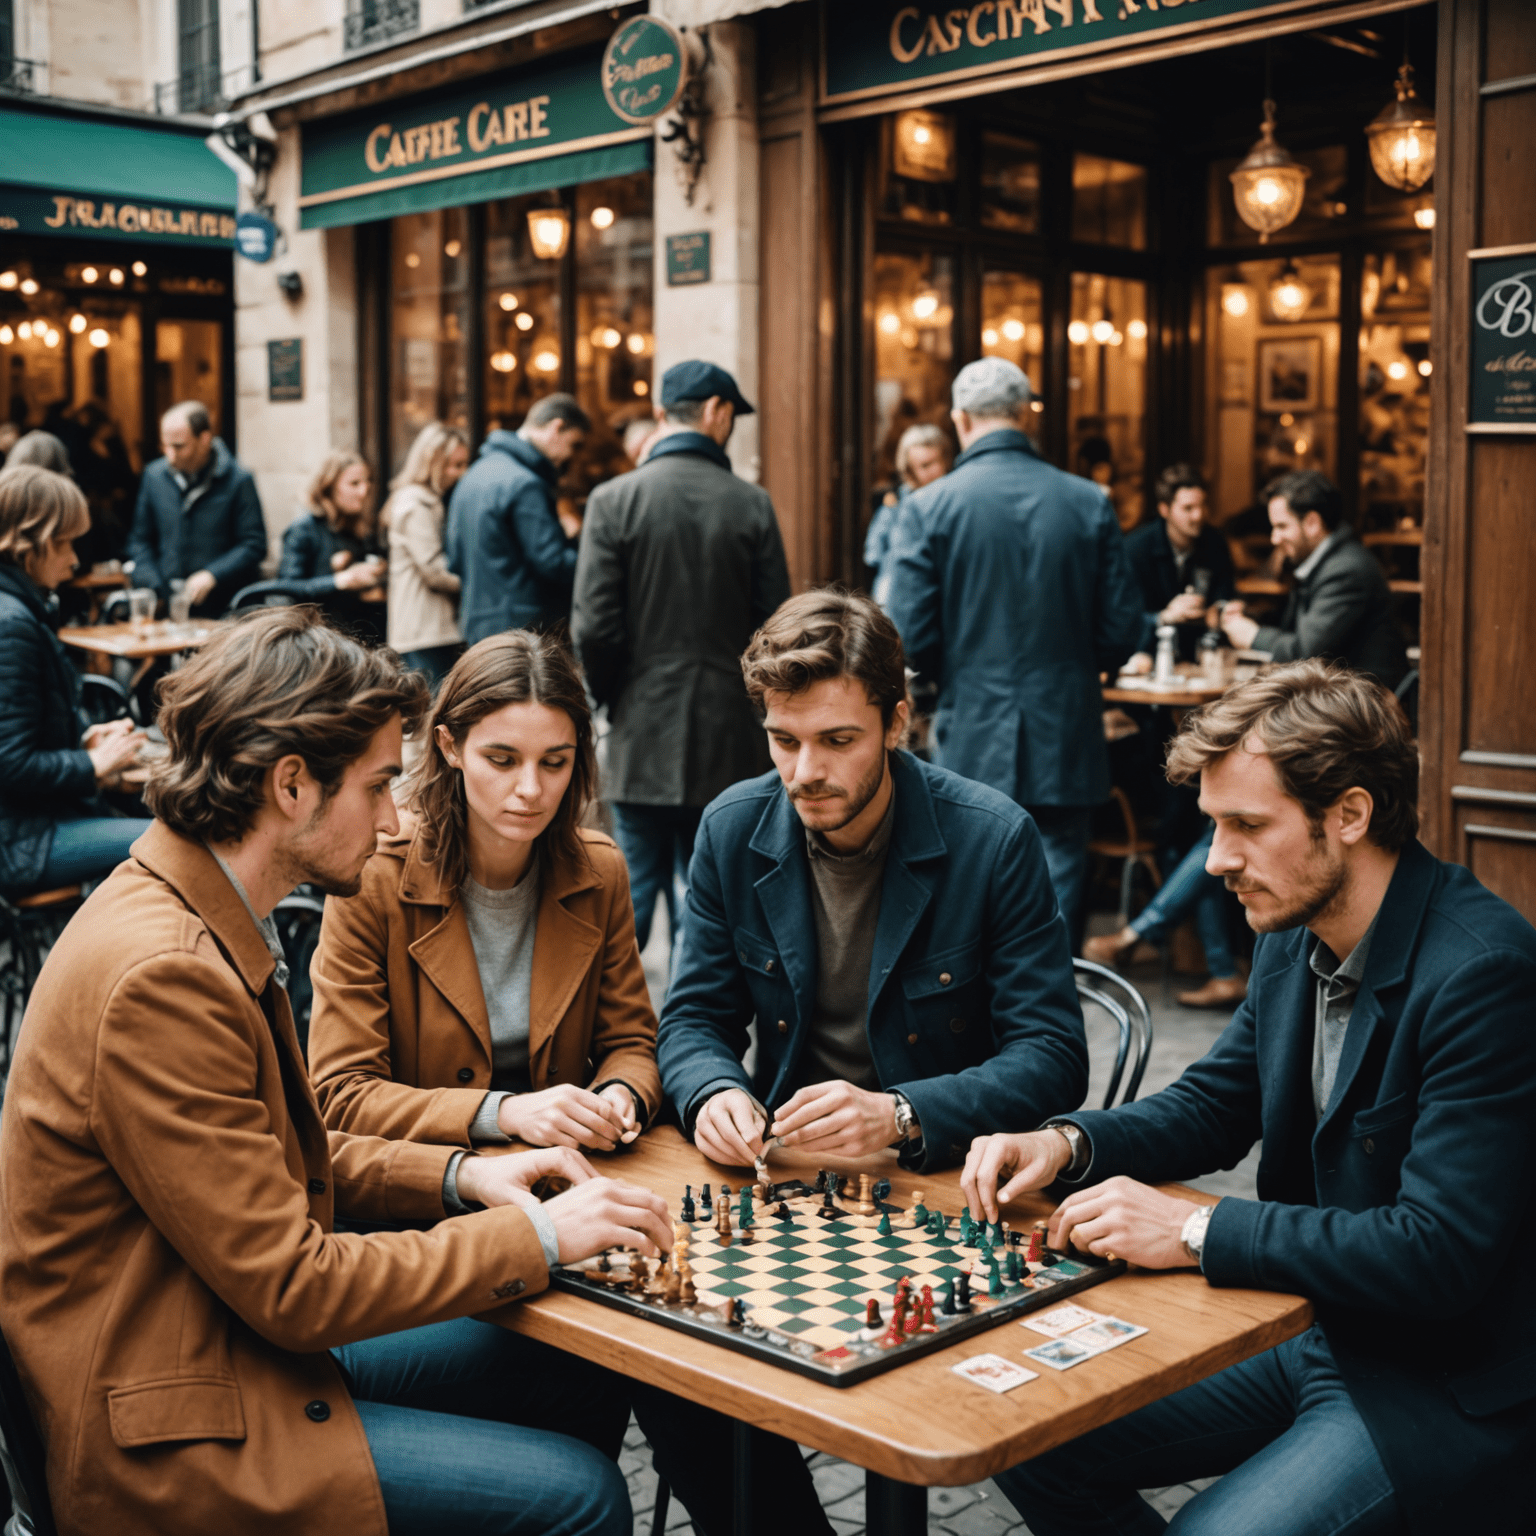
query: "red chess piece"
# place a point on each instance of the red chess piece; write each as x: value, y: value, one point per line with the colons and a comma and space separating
x: 897, y: 1332
x: 923, y: 1317
x: 1036, y: 1254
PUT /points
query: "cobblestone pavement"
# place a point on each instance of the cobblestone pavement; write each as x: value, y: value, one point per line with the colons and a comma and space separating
x: 1180, y: 1036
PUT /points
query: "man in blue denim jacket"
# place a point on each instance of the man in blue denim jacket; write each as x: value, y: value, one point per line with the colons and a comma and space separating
x: 890, y: 925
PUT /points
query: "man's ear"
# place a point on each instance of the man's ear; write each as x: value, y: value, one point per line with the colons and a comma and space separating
x: 1355, y: 807
x: 288, y: 781
x: 901, y: 718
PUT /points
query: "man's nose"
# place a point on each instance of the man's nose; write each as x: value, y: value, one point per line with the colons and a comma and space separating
x: 807, y: 766
x: 1223, y: 859
x: 388, y: 819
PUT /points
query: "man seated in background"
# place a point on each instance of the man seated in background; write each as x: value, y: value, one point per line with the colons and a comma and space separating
x: 1341, y: 608
x: 1386, y: 1060
x: 198, y: 517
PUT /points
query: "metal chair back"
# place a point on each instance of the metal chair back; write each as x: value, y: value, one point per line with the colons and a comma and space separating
x: 267, y: 594
x: 22, y: 1456
x: 114, y: 608
x: 1128, y: 1008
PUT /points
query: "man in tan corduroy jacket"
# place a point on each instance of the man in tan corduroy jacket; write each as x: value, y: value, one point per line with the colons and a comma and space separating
x: 203, y: 1351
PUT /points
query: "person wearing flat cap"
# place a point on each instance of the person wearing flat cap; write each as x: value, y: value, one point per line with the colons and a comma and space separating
x: 680, y: 562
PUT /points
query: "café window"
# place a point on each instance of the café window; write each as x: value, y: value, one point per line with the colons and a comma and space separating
x: 1107, y: 388
x: 1109, y: 202
x: 1013, y: 326
x: 914, y: 347
x: 429, y: 325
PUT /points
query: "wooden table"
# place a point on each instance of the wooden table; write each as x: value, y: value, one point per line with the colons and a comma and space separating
x: 1193, y: 691
x: 918, y: 1425
x: 143, y: 643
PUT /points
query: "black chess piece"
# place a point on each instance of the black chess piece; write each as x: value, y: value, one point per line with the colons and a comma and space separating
x: 949, y: 1298
x: 783, y: 1213
x: 963, y: 1296
x: 821, y: 1181
x: 706, y: 1207
x: 828, y: 1211
x: 881, y: 1190
x: 725, y: 1194
x: 688, y: 1213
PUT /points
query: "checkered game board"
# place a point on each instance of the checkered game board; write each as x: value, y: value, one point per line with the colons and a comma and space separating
x: 804, y: 1284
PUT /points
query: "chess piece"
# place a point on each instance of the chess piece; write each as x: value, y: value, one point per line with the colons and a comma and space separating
x: 732, y: 1312
x: 744, y: 1211
x: 949, y: 1297
x: 872, y: 1318
x: 682, y: 1235
x: 998, y: 1238
x: 639, y: 1272
x: 925, y: 1322
x: 1036, y: 1252
x: 706, y: 1206
x: 688, y: 1213
x: 994, y: 1277
x: 723, y: 1217
x: 674, y: 1286
x: 748, y: 1236
x: 884, y: 1228
x: 897, y: 1332
x: 963, y: 1294
x: 604, y: 1264
x: 882, y: 1190
x: 937, y: 1223
x: 783, y: 1213
x: 919, y: 1211
x: 685, y: 1290
x: 828, y: 1211
x: 865, y: 1205
x: 1013, y: 1268
x: 821, y: 1181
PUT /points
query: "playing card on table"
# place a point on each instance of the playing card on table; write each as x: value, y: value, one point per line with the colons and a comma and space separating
x: 1106, y: 1333
x: 994, y: 1373
x: 1060, y: 1320
x: 1061, y: 1354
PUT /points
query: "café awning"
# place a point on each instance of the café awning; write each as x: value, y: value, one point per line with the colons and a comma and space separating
x: 63, y: 174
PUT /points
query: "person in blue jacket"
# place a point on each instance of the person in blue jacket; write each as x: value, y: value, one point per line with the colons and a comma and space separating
x: 1012, y: 592
x: 198, y: 517
x: 890, y: 925
x: 505, y: 541
x: 1386, y: 1059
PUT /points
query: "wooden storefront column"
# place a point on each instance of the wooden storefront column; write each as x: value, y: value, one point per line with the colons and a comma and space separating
x: 1478, y: 690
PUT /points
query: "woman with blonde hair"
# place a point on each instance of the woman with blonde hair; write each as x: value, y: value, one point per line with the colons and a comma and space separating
x: 485, y: 983
x: 54, y: 830
x: 423, y: 625
x: 330, y: 550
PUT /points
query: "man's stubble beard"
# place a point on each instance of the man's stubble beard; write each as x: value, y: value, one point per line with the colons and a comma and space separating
x: 1326, y: 883
x: 858, y: 800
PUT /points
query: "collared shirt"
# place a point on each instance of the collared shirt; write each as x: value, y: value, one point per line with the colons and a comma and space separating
x: 192, y: 488
x: 845, y: 904
x: 1338, y: 982
x: 266, y: 925
x: 1315, y: 559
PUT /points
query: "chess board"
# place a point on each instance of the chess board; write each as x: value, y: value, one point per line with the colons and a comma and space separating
x: 803, y: 1285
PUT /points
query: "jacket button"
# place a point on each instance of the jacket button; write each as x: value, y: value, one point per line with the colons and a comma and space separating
x: 768, y: 965
x: 317, y: 1186
x: 318, y: 1411
x: 945, y: 978
x: 911, y: 1039
x: 957, y: 1026
x: 466, y: 1074
x: 1370, y: 1146
x: 783, y: 1026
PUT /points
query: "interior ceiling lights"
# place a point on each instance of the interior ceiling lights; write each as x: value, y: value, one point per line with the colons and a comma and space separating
x: 1402, y: 138
x: 549, y: 231
x: 1289, y: 297
x: 1268, y: 186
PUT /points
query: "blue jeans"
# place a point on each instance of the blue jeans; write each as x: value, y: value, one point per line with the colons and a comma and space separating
x: 1293, y: 1454
x: 657, y: 843
x: 1190, y: 890
x: 89, y: 847
x: 1065, y: 830
x: 449, y: 1411
x: 434, y: 663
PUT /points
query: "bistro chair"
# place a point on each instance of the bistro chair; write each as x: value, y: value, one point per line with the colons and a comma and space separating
x: 104, y: 699
x: 29, y: 926
x: 1132, y: 850
x: 114, y: 608
x: 298, y: 928
x: 266, y: 594
x: 21, y: 1453
x: 1111, y: 992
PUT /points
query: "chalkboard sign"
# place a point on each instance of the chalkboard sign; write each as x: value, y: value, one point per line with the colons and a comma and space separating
x: 285, y: 369
x: 1503, y: 332
x: 687, y: 259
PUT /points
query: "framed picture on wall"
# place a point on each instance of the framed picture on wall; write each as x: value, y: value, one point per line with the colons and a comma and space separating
x: 1290, y: 373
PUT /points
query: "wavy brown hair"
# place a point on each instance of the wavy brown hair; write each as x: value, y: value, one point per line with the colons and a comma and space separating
x: 38, y: 506
x: 320, y: 501
x: 518, y: 667
x: 1326, y: 730
x: 279, y: 682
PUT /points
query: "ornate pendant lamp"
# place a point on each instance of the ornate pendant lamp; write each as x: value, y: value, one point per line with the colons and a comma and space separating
x: 1289, y: 296
x: 1402, y: 138
x: 1268, y: 186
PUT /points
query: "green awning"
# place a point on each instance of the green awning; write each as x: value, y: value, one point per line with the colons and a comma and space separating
x: 482, y: 186
x: 74, y: 175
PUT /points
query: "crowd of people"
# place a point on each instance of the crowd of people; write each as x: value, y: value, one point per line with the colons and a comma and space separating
x: 204, y: 1279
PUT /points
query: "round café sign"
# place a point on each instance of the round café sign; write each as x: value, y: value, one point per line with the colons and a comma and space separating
x: 645, y: 69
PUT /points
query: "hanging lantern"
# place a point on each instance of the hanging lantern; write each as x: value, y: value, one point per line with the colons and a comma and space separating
x: 548, y: 231
x: 1402, y: 138
x: 1268, y: 186
x: 1289, y: 297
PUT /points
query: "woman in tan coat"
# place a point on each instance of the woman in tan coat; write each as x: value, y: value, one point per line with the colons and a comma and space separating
x: 485, y: 984
x: 423, y: 592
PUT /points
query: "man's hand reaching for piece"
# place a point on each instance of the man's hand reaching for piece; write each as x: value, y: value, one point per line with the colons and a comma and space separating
x: 729, y: 1129
x: 1001, y: 1168
x: 1130, y: 1220
x: 836, y: 1120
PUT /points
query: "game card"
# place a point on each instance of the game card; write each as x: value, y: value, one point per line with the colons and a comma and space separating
x: 1106, y: 1333
x: 994, y: 1373
x: 1061, y: 1354
x: 1060, y: 1320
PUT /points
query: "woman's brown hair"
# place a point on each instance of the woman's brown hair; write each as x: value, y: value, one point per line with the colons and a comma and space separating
x: 324, y: 483
x: 519, y: 667
x: 38, y: 507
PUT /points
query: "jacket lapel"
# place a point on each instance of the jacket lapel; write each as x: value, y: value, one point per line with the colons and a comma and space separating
x: 904, y: 893
x: 784, y: 895
x: 564, y: 948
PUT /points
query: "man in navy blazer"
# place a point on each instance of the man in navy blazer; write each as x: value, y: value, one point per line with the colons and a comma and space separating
x: 1012, y: 592
x: 889, y: 925
x: 1386, y: 1058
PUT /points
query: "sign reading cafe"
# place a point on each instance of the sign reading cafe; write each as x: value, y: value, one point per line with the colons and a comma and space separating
x: 875, y: 48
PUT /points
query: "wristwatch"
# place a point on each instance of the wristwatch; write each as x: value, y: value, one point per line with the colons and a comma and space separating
x: 1082, y: 1153
x: 1192, y: 1236
x: 907, y: 1128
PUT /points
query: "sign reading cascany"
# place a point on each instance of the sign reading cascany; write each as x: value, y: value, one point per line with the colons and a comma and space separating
x: 413, y: 153
x: 28, y: 210
x: 873, y: 49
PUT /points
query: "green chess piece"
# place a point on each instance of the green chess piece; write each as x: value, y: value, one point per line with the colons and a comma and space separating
x: 744, y: 1208
x: 994, y: 1276
x: 1013, y: 1267
x: 998, y: 1238
x: 884, y: 1229
x: 937, y: 1223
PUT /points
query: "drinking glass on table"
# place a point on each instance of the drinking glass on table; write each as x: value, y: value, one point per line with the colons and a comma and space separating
x: 141, y: 607
x: 180, y: 604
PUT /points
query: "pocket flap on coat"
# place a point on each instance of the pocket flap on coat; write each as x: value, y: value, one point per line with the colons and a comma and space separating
x: 1502, y: 1386
x: 179, y: 1408
x: 934, y: 975
x: 1380, y: 1116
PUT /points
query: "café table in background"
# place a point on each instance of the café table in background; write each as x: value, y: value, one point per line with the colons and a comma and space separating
x: 144, y: 643
x: 917, y: 1425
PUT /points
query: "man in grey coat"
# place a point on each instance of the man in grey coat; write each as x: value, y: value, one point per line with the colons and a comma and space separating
x: 680, y: 563
x: 1341, y: 607
x: 1012, y: 591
